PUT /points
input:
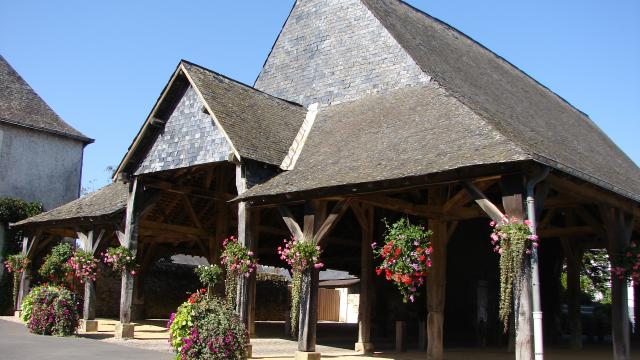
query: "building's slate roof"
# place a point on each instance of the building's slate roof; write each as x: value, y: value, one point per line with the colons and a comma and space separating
x: 260, y: 126
x: 20, y: 105
x: 408, y: 132
x: 105, y: 201
x: 495, y: 102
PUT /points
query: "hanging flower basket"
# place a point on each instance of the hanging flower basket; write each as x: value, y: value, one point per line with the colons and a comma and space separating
x: 120, y: 259
x: 84, y: 265
x: 627, y: 264
x: 513, y: 240
x: 301, y: 256
x: 238, y: 261
x: 16, y: 264
x: 405, y: 257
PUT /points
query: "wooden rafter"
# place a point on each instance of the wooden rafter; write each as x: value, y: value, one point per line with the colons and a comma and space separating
x: 332, y: 219
x: 192, y: 214
x: 290, y: 221
x: 399, y: 205
x: 187, y: 190
x: 487, y: 206
x: 462, y: 197
x: 151, y: 226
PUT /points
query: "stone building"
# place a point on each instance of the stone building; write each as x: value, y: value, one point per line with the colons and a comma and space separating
x: 40, y: 154
x: 365, y: 110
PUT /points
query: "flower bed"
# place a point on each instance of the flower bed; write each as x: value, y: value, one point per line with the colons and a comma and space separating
x: 51, y: 310
x: 207, y: 328
x: 405, y: 257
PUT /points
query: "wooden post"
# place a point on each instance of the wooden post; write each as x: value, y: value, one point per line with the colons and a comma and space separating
x: 574, y: 261
x: 251, y: 314
x: 244, y: 238
x: 124, y: 329
x: 513, y: 202
x: 401, y: 336
x: 618, y: 226
x: 309, y: 287
x: 436, y: 279
x: 25, y: 278
x: 365, y: 216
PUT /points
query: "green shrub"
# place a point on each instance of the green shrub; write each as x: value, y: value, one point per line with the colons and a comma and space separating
x: 216, y: 332
x: 27, y: 302
x: 56, y: 266
x: 54, y: 312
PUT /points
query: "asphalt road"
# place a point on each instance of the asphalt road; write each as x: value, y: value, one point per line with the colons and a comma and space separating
x: 17, y: 343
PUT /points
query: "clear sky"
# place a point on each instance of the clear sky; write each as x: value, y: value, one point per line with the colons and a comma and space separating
x: 102, y: 64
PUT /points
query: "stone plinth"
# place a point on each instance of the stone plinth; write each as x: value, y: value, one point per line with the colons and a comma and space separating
x: 89, y: 325
x: 303, y: 355
x: 124, y: 331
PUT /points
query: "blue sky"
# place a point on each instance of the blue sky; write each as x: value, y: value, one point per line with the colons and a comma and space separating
x: 102, y: 64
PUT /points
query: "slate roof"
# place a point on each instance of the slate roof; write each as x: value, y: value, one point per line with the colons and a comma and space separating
x: 515, y: 118
x: 408, y: 132
x: 108, y: 200
x: 261, y: 127
x: 20, y: 105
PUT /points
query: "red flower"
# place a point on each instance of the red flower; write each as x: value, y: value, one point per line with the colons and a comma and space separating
x: 406, y: 279
x: 378, y: 271
x: 387, y: 274
x: 422, y: 258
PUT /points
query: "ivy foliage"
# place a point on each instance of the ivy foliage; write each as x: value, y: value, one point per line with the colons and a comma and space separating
x: 14, y: 210
x: 56, y: 267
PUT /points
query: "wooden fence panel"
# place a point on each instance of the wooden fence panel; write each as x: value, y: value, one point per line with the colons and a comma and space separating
x: 329, y: 305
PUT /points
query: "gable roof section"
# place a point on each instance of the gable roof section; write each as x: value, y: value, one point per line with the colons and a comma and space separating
x: 539, y: 121
x: 261, y: 127
x: 257, y: 125
x: 106, y: 201
x: 20, y: 105
x: 408, y: 132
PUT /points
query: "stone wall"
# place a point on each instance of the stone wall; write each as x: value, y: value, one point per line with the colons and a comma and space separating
x: 39, y: 166
x: 331, y: 51
x: 190, y: 137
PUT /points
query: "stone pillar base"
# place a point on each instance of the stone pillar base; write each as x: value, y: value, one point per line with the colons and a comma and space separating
x: 124, y: 331
x: 18, y: 314
x: 364, y: 348
x: 304, y: 355
x: 89, y: 325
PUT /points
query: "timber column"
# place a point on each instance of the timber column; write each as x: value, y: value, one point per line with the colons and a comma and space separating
x: 124, y: 329
x: 618, y: 226
x: 364, y: 214
x: 437, y: 279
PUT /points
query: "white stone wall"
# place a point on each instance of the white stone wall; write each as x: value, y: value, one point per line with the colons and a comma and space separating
x: 39, y: 166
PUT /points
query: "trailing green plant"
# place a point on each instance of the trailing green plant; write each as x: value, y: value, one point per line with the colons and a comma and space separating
x: 301, y: 256
x: 405, y: 256
x: 513, y: 240
x: 120, y: 259
x: 54, y: 312
x: 209, y: 276
x: 56, y: 267
x: 16, y: 264
x: 84, y: 265
x: 238, y: 261
x: 207, y: 329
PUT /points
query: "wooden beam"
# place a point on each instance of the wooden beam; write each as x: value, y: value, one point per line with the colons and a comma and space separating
x: 399, y: 205
x: 589, y: 192
x: 150, y: 226
x: 191, y: 212
x: 463, y: 197
x: 436, y: 282
x: 332, y: 219
x: 569, y: 231
x: 187, y: 190
x: 364, y: 344
x: 290, y: 221
x: 487, y: 206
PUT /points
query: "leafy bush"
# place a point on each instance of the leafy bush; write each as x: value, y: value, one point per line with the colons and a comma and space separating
x: 209, y: 275
x: 54, y: 312
x: 27, y: 303
x: 181, y: 322
x: 56, y: 265
x: 216, y: 332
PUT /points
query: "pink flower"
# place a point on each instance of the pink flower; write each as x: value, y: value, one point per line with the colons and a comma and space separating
x: 318, y: 266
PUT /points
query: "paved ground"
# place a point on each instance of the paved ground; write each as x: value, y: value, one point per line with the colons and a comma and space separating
x: 17, y: 343
x: 335, y: 342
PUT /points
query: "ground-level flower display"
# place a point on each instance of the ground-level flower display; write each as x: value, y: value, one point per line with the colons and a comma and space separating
x: 51, y: 310
x: 207, y: 328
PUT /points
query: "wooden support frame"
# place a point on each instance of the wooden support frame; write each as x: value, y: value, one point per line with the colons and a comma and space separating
x: 485, y: 204
x: 365, y: 216
x: 436, y: 283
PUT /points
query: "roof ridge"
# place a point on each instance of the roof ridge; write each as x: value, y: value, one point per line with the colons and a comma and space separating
x: 241, y: 83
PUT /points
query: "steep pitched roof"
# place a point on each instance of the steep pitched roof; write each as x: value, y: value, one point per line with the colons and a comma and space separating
x: 258, y: 126
x: 20, y: 105
x: 108, y: 200
x: 502, y: 101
